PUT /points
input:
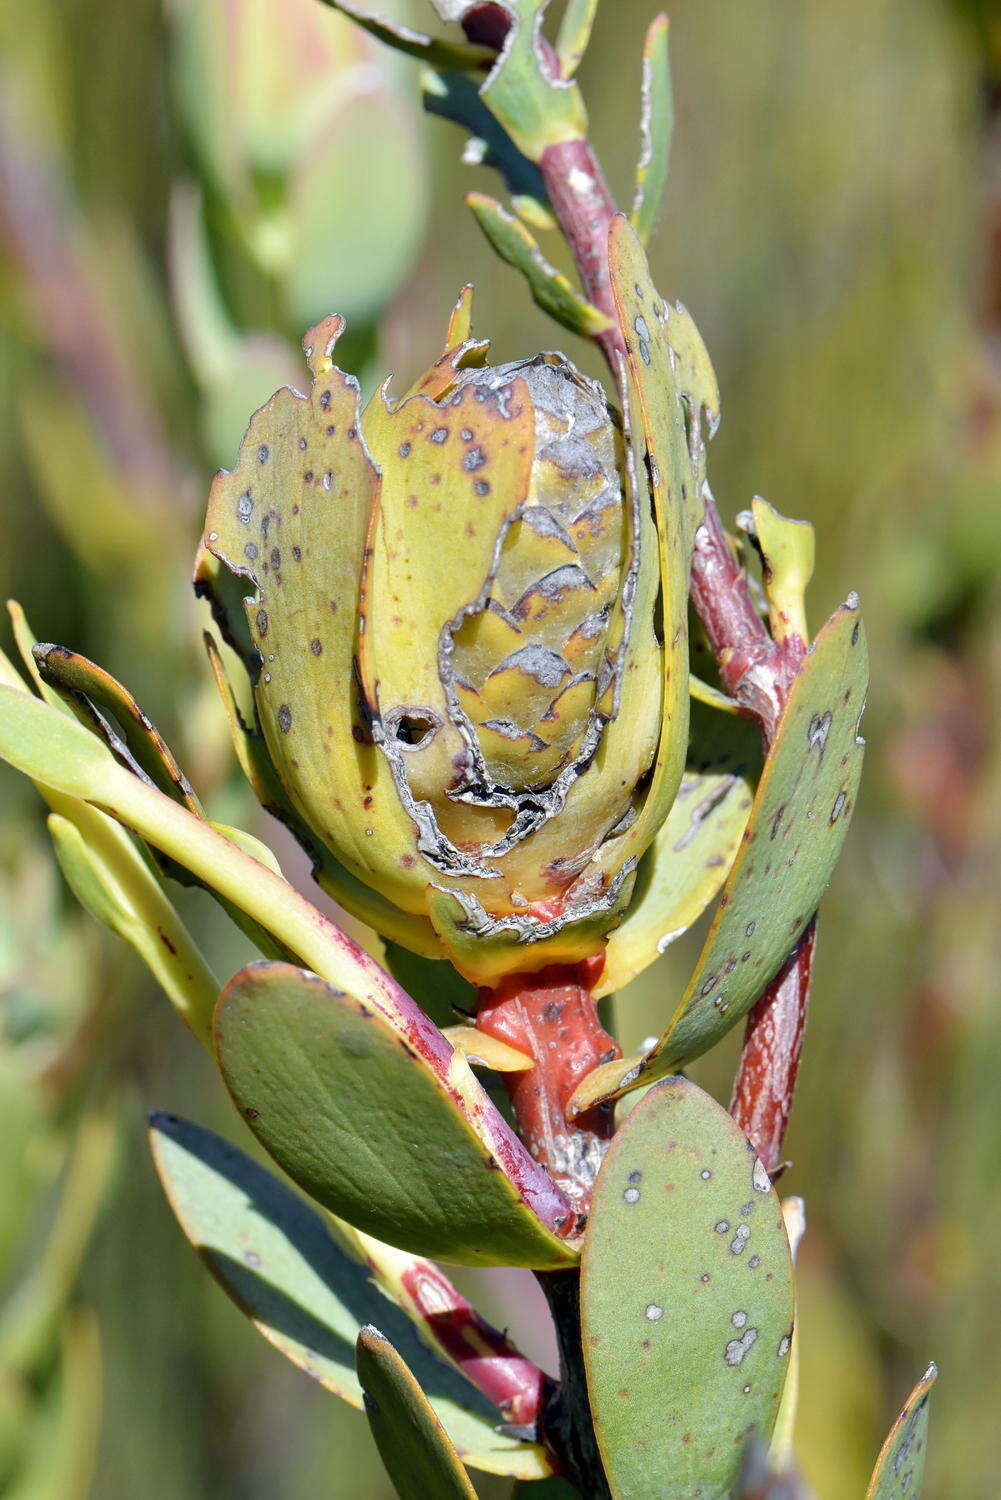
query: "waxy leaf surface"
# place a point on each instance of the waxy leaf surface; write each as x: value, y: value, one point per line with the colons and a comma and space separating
x: 276, y: 1259
x: 381, y: 1122
x: 900, y: 1466
x: 686, y: 1299
x: 416, y: 1450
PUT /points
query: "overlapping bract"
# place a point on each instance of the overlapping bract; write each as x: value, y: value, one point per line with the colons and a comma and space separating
x: 449, y: 608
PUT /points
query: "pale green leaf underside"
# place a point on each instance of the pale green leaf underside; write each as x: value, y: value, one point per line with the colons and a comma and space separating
x: 275, y: 1258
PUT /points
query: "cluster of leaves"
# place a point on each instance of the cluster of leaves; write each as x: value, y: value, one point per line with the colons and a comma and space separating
x: 533, y: 263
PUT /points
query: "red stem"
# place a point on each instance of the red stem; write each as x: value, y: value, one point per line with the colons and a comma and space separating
x: 484, y: 1355
x: 553, y: 1017
x: 766, y: 1079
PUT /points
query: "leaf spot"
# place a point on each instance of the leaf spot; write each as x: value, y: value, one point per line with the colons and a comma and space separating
x: 739, y: 1242
x: 737, y: 1348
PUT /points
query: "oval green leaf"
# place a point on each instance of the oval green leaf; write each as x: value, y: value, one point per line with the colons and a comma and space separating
x: 274, y: 1256
x: 796, y: 829
x: 383, y: 1123
x: 418, y: 1454
x: 686, y: 1299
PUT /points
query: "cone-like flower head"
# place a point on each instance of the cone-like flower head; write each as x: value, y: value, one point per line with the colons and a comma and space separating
x: 450, y: 613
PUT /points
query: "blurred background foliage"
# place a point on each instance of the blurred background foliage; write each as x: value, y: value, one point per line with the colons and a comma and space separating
x: 184, y: 188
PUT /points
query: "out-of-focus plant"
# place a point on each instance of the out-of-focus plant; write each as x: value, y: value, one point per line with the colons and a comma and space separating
x: 58, y: 1147
x: 463, y: 615
x: 291, y: 128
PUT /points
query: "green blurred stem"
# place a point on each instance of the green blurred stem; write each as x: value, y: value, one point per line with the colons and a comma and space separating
x: 32, y: 1316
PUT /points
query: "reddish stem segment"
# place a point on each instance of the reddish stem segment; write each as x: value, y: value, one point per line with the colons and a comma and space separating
x: 766, y: 1079
x: 484, y: 1355
x: 754, y: 669
x: 553, y: 1017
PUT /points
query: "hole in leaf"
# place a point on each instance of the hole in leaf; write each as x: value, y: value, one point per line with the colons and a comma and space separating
x: 415, y: 727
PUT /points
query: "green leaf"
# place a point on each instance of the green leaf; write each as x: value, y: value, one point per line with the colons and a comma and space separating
x: 236, y: 371
x: 796, y: 830
x: 787, y: 556
x: 780, y: 1453
x: 713, y: 697
x: 111, y: 879
x: 274, y: 1256
x: 50, y: 747
x: 82, y: 682
x: 550, y: 289
x: 416, y: 1450
x: 536, y: 110
x: 574, y: 34
x: 686, y: 1299
x: 662, y: 463
x: 435, y: 984
x: 900, y: 1466
x: 383, y: 1123
x: 792, y: 841
x: 456, y: 97
x: 60, y: 754
x: 369, y: 150
x: 89, y: 690
x: 656, y: 129
x: 339, y: 883
x: 437, y: 53
x: 688, y: 861
x: 303, y: 456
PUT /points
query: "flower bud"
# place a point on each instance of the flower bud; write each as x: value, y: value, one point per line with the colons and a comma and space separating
x: 452, y: 634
